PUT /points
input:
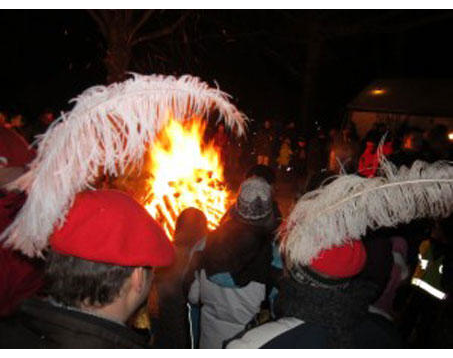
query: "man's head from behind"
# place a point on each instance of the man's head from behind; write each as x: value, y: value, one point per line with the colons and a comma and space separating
x: 95, y: 287
x: 101, y: 258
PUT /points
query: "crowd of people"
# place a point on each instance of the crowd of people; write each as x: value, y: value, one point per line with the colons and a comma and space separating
x: 295, y: 155
x: 113, y: 279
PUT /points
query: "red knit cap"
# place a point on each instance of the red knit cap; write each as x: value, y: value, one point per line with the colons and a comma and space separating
x: 109, y: 226
x: 341, y: 261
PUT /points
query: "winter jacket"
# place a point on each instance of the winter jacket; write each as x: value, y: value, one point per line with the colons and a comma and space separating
x: 231, y: 284
x: 226, y: 308
x: 314, y: 316
x: 285, y: 154
x: 174, y: 329
x: 293, y: 333
x: 40, y: 324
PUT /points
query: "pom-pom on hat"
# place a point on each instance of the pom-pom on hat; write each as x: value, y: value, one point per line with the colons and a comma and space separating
x: 111, y: 227
x: 343, y: 261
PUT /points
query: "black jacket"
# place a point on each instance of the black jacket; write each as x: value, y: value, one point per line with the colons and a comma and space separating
x: 242, y: 249
x: 39, y: 324
x: 374, y: 332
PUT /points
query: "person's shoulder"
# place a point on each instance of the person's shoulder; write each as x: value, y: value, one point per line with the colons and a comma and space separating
x: 15, y: 332
x: 63, y: 327
x: 287, y: 332
x: 375, y: 331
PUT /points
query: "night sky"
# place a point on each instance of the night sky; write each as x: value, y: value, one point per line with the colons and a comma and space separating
x: 259, y: 56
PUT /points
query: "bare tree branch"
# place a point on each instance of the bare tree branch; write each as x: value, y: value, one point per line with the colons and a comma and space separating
x: 100, y: 22
x: 420, y: 22
x: 147, y: 14
x: 162, y: 32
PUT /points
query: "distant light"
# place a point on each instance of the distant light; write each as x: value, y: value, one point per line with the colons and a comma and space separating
x: 377, y: 91
x: 450, y: 136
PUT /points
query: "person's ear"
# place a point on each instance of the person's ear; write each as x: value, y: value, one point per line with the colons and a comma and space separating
x: 141, y: 279
x: 138, y: 279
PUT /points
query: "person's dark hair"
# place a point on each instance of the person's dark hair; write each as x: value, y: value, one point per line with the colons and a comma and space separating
x: 191, y: 226
x: 72, y: 281
x: 262, y: 171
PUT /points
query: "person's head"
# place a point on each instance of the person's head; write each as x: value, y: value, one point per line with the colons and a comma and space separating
x: 90, y: 285
x: 442, y: 230
x: 2, y: 118
x: 267, y: 124
x: 47, y: 117
x: 221, y: 128
x: 191, y: 226
x: 254, y: 202
x: 291, y: 125
x: 301, y: 142
x: 101, y: 259
x: 334, y: 266
x: 438, y: 133
x: 262, y: 171
x: 17, y: 121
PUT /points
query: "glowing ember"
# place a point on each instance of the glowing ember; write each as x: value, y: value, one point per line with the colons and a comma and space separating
x: 185, y: 173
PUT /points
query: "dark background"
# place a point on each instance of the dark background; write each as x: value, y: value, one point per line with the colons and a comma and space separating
x: 261, y: 57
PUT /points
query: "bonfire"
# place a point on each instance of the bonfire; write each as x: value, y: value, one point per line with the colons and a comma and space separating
x: 185, y: 172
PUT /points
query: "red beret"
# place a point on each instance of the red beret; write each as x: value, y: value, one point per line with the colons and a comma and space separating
x: 111, y: 227
x: 341, y: 261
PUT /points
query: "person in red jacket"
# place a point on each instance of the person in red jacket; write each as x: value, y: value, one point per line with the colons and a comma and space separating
x: 369, y: 161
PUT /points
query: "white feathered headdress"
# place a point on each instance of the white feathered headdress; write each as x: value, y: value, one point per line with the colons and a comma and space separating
x: 350, y: 205
x: 109, y: 128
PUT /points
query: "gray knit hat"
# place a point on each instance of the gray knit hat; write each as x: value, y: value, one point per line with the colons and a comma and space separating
x: 255, y: 199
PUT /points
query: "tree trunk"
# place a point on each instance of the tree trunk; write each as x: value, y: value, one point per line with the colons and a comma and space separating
x: 309, y: 82
x: 119, y: 50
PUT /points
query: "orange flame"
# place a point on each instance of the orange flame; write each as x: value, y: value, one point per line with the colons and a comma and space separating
x: 185, y: 173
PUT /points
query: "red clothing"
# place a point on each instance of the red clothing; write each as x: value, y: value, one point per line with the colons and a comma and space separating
x: 14, y: 148
x: 370, y: 159
x: 20, y: 277
x: 368, y: 163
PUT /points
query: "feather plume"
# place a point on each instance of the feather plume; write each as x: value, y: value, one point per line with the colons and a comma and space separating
x: 108, y: 129
x: 345, y: 208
